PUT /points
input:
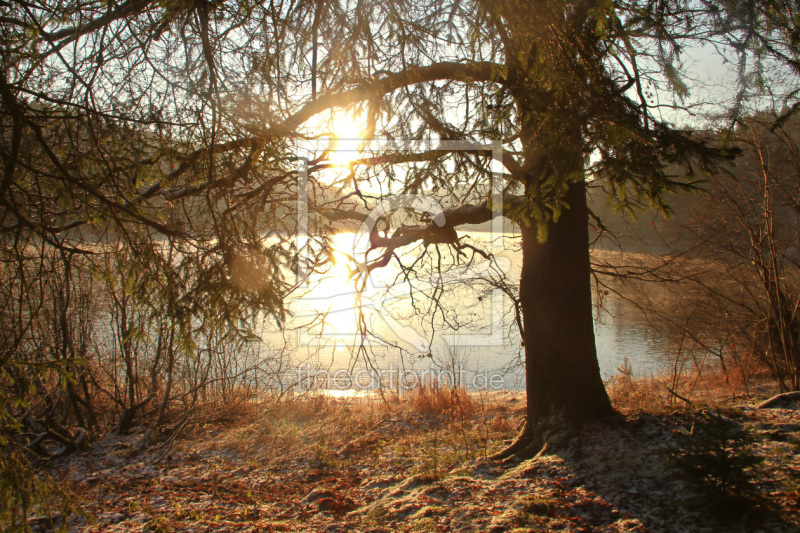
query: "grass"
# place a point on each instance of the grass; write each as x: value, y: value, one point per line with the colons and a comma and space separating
x: 409, y: 448
x: 429, y: 430
x: 438, y: 400
x: 687, y: 390
x: 529, y: 510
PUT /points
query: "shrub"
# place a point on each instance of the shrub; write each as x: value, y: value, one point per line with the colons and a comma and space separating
x: 718, y: 454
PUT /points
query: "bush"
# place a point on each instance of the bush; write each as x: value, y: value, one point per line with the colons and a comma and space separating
x: 24, y: 491
x: 718, y: 454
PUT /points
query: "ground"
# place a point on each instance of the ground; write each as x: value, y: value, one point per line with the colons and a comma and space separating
x: 321, y: 464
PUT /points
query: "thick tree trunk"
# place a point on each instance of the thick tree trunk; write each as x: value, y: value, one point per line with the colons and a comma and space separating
x: 564, y: 387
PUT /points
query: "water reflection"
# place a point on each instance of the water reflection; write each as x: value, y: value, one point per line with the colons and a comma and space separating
x: 457, y: 319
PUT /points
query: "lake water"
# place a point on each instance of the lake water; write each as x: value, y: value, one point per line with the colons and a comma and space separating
x: 455, y: 325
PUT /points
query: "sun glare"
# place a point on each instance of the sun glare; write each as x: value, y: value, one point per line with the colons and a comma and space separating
x: 334, y: 290
x: 346, y: 134
x: 339, y: 270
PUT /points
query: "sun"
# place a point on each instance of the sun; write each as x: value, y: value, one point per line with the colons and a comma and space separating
x: 339, y: 269
x: 346, y: 135
x: 334, y: 293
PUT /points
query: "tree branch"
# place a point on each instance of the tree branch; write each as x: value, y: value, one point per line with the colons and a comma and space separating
x: 430, y: 233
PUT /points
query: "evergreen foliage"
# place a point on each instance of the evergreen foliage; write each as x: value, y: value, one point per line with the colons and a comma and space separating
x: 718, y: 454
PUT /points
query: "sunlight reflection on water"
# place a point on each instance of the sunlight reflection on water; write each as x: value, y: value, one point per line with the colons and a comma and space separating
x: 326, y: 334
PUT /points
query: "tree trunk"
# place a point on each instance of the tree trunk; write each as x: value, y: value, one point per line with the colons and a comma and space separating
x: 564, y: 387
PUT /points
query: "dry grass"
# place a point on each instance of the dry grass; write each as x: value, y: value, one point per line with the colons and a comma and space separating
x: 425, y: 431
x: 688, y: 389
x: 304, y: 465
x: 435, y: 399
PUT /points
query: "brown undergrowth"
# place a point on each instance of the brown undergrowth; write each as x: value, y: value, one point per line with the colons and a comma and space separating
x: 418, y: 462
x: 688, y: 389
x: 444, y: 424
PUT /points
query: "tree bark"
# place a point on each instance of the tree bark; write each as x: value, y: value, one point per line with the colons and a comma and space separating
x: 564, y: 387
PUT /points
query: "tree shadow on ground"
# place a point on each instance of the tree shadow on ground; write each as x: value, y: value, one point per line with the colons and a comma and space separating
x: 635, y: 465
